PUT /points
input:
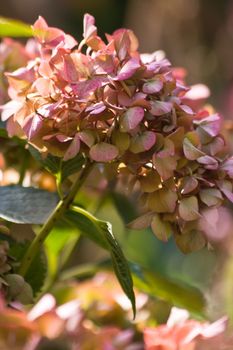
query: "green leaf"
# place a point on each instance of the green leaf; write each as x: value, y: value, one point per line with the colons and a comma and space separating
x: 87, y: 227
x: 58, y: 167
x: 50, y: 163
x: 178, y: 294
x: 101, y: 233
x: 26, y: 205
x: 120, y: 264
x: 38, y: 268
x: 3, y: 133
x: 72, y: 166
x: 14, y: 28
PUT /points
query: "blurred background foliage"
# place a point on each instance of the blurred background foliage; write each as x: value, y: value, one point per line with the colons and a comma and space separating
x: 195, y: 34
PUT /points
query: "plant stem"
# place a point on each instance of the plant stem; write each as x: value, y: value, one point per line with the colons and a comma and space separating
x: 23, y: 169
x: 58, y: 212
x: 85, y: 270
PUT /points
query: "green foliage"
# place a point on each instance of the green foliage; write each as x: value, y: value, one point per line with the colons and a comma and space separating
x: 120, y: 264
x: 3, y: 132
x: 36, y: 273
x: 58, y: 247
x: 177, y: 294
x: 26, y: 204
x: 101, y: 233
x: 50, y: 163
x: 14, y: 28
x: 152, y: 283
x: 58, y: 167
x: 71, y: 166
x: 87, y: 227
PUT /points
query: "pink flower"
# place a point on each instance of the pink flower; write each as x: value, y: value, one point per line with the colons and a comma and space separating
x: 180, y: 333
x: 109, y: 103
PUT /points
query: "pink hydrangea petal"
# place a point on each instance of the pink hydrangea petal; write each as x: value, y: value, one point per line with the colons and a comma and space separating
x: 131, y: 118
x: 189, y: 185
x: 165, y: 166
x: 44, y: 305
x: 48, y: 110
x: 197, y: 92
x: 89, y: 28
x: 63, y: 138
x: 124, y: 99
x: 141, y: 222
x: 70, y: 72
x: 9, y: 109
x: 152, y: 86
x: 143, y: 142
x: 32, y: 125
x: 208, y: 162
x: 226, y: 187
x: 40, y: 24
x: 189, y: 209
x: 160, y: 107
x: 45, y: 70
x: 103, y: 152
x: 73, y: 149
x: 190, y: 151
x: 158, y: 66
x: 148, y: 139
x: 104, y: 63
x: 214, y: 329
x: 228, y: 166
x: 84, y: 88
x: 162, y: 229
x: 186, y: 109
x: 14, y: 128
x: 47, y: 35
x: 97, y: 108
x: 128, y: 69
x: 44, y: 86
x: 87, y: 137
x: 22, y: 77
x: 122, y: 43
x: 210, y: 124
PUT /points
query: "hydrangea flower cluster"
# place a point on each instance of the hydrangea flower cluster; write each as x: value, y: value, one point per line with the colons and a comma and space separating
x: 113, y: 104
x: 13, y: 55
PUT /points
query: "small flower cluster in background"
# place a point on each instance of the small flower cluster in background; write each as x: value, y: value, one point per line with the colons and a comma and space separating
x: 115, y: 105
x: 86, y: 321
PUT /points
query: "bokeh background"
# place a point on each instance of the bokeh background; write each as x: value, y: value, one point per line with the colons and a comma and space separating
x: 196, y: 35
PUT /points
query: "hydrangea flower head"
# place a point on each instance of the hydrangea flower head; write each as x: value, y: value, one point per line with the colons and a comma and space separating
x: 106, y: 100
